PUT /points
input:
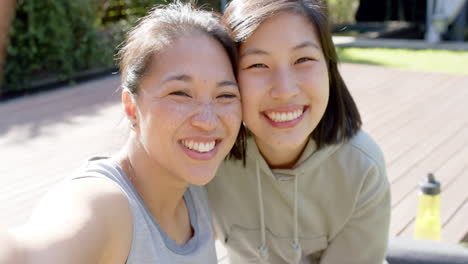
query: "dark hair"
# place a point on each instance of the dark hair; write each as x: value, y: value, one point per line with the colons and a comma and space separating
x: 341, y: 120
x: 161, y: 27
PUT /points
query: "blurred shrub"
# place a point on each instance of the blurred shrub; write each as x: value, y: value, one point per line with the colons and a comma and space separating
x: 342, y: 11
x: 58, y: 38
x: 128, y: 11
x: 52, y: 37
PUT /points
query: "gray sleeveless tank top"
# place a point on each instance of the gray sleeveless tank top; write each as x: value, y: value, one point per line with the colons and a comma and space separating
x: 150, y: 245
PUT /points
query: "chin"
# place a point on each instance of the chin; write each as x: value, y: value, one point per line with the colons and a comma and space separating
x: 200, y: 181
x: 200, y: 176
x: 289, y: 140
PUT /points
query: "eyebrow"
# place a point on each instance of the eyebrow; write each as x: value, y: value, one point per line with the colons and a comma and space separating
x: 227, y: 83
x: 186, y: 78
x: 177, y: 77
x: 306, y: 44
x: 256, y: 51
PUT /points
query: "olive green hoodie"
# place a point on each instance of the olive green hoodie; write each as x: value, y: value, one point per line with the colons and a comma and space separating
x: 332, y: 207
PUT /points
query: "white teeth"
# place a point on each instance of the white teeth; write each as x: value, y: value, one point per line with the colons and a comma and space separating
x: 199, y: 146
x: 275, y: 116
x: 284, y: 117
x: 203, y: 147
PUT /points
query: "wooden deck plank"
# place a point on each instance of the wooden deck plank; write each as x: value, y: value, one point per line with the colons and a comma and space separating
x: 393, y: 89
x: 418, y: 119
x: 403, y: 112
x: 405, y: 205
x: 454, y: 179
x: 440, y: 155
x: 45, y: 137
x: 53, y: 122
x: 429, y: 153
x: 415, y: 143
x: 425, y: 119
x: 52, y: 106
x: 452, y: 228
x: 429, y: 144
x: 399, y: 101
x: 409, y: 129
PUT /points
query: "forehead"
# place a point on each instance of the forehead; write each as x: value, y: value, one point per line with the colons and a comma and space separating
x: 191, y: 53
x: 285, y: 28
x: 190, y: 46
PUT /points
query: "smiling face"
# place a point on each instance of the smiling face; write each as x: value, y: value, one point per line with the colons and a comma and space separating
x: 284, y: 85
x: 188, y: 109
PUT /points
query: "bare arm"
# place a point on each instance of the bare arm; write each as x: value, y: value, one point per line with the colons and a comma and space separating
x: 9, y: 250
x: 84, y: 221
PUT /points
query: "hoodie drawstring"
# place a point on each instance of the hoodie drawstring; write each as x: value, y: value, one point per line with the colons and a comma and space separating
x: 296, y: 245
x: 263, y: 249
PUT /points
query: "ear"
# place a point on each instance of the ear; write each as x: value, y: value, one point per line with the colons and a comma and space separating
x: 129, y: 106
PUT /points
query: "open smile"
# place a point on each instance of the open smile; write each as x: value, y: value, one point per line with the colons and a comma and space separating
x: 200, y: 149
x: 285, y: 117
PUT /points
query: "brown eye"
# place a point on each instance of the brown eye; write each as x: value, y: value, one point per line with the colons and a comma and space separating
x: 257, y: 66
x: 304, y: 59
x: 180, y: 93
x: 227, y: 96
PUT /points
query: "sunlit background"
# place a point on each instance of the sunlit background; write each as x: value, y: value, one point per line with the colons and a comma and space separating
x: 405, y: 62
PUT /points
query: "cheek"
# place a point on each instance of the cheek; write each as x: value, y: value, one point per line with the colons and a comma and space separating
x: 324, y: 87
x: 253, y: 89
x: 316, y: 83
x: 251, y: 83
x: 250, y: 105
x: 231, y: 114
x: 173, y: 109
x: 165, y: 117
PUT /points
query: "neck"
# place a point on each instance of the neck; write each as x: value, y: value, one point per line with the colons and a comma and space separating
x: 280, y: 157
x: 161, y: 192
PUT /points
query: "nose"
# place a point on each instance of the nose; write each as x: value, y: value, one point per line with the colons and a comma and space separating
x: 205, y: 117
x: 284, y: 85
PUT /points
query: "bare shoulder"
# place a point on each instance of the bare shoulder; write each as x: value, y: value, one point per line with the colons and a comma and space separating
x: 81, y: 221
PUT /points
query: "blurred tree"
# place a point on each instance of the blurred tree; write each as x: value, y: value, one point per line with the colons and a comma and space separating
x: 52, y: 39
x: 342, y: 11
x: 7, y: 12
x: 111, y: 11
x: 56, y: 39
x: 211, y: 4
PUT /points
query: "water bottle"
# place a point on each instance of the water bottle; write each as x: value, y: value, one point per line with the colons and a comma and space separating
x: 428, y: 219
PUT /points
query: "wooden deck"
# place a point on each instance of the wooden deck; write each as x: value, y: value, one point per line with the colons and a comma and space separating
x: 419, y: 119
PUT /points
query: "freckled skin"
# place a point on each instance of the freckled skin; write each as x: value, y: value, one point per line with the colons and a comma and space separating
x: 167, y: 117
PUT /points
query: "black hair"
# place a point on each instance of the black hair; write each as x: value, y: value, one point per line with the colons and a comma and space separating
x: 341, y: 120
x: 161, y: 27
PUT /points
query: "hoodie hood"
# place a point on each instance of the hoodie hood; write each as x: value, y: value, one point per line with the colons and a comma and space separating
x: 309, y: 159
x: 342, y: 190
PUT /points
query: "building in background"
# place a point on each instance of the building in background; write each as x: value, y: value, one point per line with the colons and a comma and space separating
x: 433, y: 20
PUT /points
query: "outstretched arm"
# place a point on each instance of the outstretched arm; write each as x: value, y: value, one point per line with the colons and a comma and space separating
x: 84, y: 221
x: 9, y: 249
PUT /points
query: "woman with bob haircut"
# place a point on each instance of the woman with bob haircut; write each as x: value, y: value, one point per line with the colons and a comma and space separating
x: 147, y: 204
x: 313, y: 187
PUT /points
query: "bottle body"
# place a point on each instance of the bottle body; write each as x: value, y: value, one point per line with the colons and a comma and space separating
x: 427, y: 224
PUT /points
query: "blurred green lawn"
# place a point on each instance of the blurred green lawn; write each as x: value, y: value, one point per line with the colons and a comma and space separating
x: 418, y: 60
